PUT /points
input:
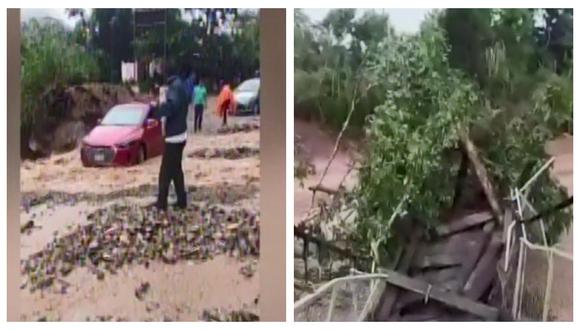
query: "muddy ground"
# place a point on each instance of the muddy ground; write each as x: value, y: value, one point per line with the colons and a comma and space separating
x: 59, y: 197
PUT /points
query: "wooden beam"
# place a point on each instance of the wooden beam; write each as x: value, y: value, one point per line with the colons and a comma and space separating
x: 482, y: 175
x: 323, y: 189
x: 390, y: 294
x: 485, y: 270
x: 464, y: 223
x: 437, y: 293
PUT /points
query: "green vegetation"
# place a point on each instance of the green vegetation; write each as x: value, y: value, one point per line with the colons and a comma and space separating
x: 55, y: 57
x: 505, y: 76
x: 329, y: 59
x: 51, y: 60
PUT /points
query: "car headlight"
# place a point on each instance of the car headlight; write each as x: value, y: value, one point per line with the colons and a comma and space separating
x: 125, y: 145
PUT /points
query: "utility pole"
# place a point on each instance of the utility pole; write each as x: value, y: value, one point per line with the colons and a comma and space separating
x: 165, y: 47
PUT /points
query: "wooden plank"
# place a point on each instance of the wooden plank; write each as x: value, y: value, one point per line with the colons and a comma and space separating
x: 482, y: 175
x: 429, y: 313
x: 473, y: 252
x: 443, y: 278
x: 485, y: 270
x: 437, y: 293
x: 464, y: 223
x: 507, y: 221
x: 468, y: 245
x: 390, y: 294
x: 440, y: 260
x: 324, y: 189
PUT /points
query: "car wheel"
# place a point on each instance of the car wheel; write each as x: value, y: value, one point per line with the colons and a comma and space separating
x: 255, y: 109
x: 141, y: 157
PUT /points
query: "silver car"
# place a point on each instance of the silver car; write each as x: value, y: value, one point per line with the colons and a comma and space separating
x: 247, y: 97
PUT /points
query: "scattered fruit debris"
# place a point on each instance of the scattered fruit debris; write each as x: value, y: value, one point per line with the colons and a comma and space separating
x: 142, y: 290
x: 229, y: 316
x: 121, y: 234
x: 227, y: 153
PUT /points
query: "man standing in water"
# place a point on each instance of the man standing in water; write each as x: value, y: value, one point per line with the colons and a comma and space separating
x: 199, y: 104
x: 174, y: 115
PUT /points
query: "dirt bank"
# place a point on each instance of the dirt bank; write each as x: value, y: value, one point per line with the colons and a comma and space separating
x: 67, y: 115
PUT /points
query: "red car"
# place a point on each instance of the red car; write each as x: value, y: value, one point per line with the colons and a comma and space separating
x: 127, y: 135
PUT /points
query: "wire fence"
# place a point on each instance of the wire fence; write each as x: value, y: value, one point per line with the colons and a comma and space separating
x: 532, y: 267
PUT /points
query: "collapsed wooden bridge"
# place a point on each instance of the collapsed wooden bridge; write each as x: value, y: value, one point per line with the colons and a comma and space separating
x: 459, y: 271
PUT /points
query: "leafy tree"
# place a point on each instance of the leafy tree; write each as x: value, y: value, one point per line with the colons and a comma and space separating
x: 329, y: 65
x: 435, y: 85
x: 491, y: 72
x: 409, y: 166
x: 51, y: 60
x: 108, y: 34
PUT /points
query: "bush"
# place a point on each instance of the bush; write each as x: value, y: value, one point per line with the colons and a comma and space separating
x: 50, y: 60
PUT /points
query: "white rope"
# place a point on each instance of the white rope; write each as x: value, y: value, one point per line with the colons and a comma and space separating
x: 426, y: 299
x: 536, y: 175
x: 518, y: 280
x: 548, y: 249
x: 508, y: 243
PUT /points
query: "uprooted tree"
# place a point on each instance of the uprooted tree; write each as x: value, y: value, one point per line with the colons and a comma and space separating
x: 414, y: 150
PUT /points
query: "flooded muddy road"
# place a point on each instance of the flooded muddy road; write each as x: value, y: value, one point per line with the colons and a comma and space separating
x: 92, y: 249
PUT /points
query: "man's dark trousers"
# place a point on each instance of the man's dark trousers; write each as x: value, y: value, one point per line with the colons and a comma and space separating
x: 171, y: 171
x: 198, y: 118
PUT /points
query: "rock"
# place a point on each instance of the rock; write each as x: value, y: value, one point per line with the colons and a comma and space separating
x: 27, y: 227
x: 142, y: 290
x: 151, y: 306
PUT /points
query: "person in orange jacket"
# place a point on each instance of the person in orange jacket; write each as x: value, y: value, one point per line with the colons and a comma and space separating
x: 225, y: 102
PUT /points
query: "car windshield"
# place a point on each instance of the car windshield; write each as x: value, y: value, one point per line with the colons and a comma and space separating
x: 124, y: 116
x: 251, y: 85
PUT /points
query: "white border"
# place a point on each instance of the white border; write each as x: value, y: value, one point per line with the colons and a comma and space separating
x: 289, y: 165
x: 289, y: 5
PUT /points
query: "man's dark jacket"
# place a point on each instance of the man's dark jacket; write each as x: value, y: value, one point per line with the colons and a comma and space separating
x: 175, y: 107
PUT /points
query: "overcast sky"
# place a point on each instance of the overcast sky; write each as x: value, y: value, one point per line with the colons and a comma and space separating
x: 58, y: 13
x: 403, y: 20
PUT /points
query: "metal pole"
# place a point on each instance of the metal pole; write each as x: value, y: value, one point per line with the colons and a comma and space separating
x: 549, y: 280
x: 331, y: 306
x: 165, y: 47
x: 136, y: 64
x: 517, y: 287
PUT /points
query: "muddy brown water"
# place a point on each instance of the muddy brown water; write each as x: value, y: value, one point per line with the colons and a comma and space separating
x: 181, y: 291
x: 177, y: 292
x: 318, y: 146
x: 561, y: 305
